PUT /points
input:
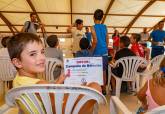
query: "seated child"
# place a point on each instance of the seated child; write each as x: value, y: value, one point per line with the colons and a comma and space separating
x: 27, y: 55
x: 84, y: 45
x: 53, y: 51
x: 152, y: 93
x: 123, y: 52
x: 136, y: 47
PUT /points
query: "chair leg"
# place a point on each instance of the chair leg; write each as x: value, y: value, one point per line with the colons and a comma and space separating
x: 137, y: 83
x: 113, y: 108
x: 9, y: 84
x: 118, y: 87
x: 2, y: 88
x: 133, y: 85
x: 109, y: 79
x: 109, y: 75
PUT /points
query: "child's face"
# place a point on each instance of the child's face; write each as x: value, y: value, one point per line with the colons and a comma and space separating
x: 80, y: 26
x: 161, y: 25
x: 33, y: 18
x: 32, y: 59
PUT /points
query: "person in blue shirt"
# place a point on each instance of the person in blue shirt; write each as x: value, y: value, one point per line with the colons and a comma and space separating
x: 158, y: 38
x: 84, y: 52
x: 100, y: 42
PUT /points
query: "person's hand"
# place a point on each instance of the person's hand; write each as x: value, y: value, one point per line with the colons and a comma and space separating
x: 61, y: 79
x: 62, y: 76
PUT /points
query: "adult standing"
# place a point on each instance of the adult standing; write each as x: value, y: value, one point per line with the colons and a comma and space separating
x: 33, y: 25
x: 158, y: 38
x: 77, y: 34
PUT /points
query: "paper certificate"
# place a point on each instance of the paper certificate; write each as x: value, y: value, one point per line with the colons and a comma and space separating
x: 83, y: 69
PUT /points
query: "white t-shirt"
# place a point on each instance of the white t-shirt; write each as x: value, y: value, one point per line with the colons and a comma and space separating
x: 4, y: 52
x: 32, y: 27
x: 76, y: 37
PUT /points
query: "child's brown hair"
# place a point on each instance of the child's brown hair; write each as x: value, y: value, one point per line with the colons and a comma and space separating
x: 18, y: 42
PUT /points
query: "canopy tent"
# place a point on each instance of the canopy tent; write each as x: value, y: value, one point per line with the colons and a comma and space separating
x: 127, y: 16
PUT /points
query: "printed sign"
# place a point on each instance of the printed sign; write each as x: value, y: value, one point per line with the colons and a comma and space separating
x: 83, y: 70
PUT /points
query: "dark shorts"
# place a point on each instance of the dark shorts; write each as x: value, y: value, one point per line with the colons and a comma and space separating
x: 105, y: 63
x: 117, y: 72
x: 157, y: 51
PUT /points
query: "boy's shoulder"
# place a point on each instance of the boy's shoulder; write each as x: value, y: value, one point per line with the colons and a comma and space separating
x: 83, y: 53
x: 124, y: 52
x: 24, y: 80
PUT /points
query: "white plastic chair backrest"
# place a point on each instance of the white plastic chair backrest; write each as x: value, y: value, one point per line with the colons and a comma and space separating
x: 51, y: 64
x: 158, y: 110
x: 43, y: 91
x: 7, y: 70
x: 130, y: 66
x: 154, y: 63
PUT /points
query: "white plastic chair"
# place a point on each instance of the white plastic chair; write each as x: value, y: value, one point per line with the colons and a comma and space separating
x: 51, y: 65
x: 108, y: 87
x: 7, y: 70
x: 153, y: 65
x: 158, y: 110
x: 130, y: 67
x: 4, y: 109
x: 117, y: 105
x: 44, y: 90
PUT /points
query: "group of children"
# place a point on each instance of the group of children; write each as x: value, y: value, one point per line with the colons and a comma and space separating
x: 27, y: 54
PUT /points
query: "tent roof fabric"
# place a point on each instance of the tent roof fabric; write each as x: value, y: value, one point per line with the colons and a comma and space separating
x: 127, y: 16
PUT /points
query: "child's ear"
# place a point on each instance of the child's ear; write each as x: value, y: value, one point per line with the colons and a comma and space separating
x: 16, y: 62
